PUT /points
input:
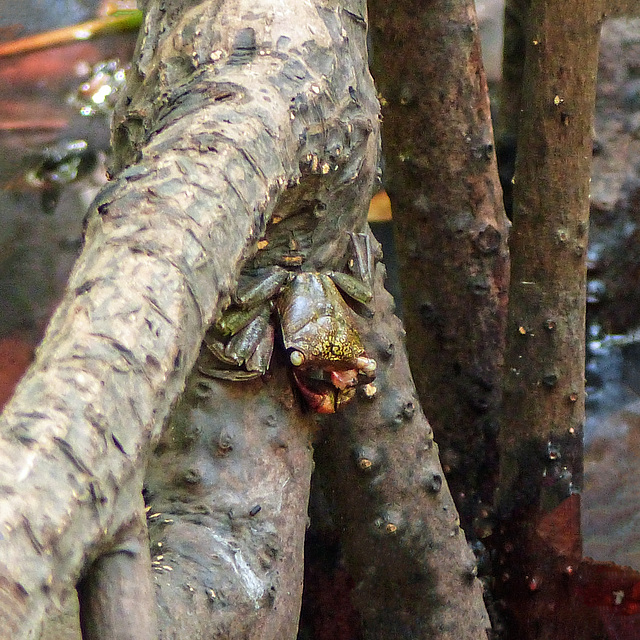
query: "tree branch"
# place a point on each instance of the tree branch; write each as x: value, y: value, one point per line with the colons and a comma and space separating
x: 231, y: 105
x: 451, y: 230
x: 228, y: 489
x: 414, y: 572
x: 541, y: 433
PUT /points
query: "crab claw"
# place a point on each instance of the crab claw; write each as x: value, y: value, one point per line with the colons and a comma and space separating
x: 344, y: 379
x: 321, y: 401
x: 327, y: 403
x: 367, y: 366
x: 344, y: 397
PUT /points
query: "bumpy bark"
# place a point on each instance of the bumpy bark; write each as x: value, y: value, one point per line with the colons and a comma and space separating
x: 228, y: 490
x: 451, y: 231
x: 230, y: 106
x: 415, y: 576
x: 541, y: 435
x: 621, y: 8
x: 516, y: 16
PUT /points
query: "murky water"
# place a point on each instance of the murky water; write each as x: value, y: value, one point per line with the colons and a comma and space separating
x: 51, y: 165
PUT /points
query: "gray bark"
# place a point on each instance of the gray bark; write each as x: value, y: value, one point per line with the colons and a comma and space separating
x: 236, y: 112
x: 451, y: 231
x: 228, y: 490
x: 377, y: 462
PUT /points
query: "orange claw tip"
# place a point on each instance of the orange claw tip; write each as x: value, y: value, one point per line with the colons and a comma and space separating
x: 344, y: 379
x: 369, y: 390
x: 320, y: 402
x: 326, y: 406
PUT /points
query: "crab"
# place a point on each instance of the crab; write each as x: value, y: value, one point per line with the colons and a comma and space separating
x: 315, y: 327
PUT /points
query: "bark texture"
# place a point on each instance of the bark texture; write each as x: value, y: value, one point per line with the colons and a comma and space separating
x: 415, y: 576
x: 510, y: 94
x: 541, y: 435
x: 235, y: 112
x: 509, y: 109
x: 451, y: 231
x: 513, y: 55
x: 622, y: 8
x: 116, y: 596
x: 228, y: 490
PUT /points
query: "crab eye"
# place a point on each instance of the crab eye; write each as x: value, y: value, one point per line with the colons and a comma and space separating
x: 296, y: 358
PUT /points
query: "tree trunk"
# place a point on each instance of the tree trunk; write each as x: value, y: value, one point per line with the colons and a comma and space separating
x: 415, y: 576
x: 228, y: 489
x: 541, y: 435
x: 451, y: 230
x: 235, y: 113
